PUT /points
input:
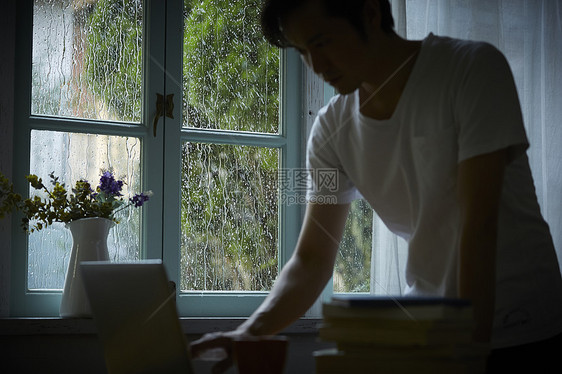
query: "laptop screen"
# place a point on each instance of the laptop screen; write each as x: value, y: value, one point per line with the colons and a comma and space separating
x: 136, y: 316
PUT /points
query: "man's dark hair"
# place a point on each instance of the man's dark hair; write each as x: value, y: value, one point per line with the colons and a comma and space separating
x: 275, y: 11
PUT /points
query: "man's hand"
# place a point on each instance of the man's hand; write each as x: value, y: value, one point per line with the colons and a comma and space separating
x: 216, y: 346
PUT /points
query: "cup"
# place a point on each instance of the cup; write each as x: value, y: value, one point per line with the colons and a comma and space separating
x: 260, y: 355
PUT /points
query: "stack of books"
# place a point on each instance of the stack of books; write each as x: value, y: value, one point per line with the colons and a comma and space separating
x: 399, y: 335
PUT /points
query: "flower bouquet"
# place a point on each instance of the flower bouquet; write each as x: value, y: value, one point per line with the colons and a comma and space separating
x: 60, y: 205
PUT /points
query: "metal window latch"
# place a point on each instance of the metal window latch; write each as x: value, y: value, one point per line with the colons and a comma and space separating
x: 163, y: 108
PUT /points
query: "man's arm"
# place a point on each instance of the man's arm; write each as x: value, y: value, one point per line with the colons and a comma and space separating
x: 299, y: 283
x: 305, y: 275
x: 480, y: 181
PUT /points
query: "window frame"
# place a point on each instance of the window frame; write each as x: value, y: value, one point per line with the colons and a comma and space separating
x: 288, y: 140
x: 45, y: 303
x: 161, y: 71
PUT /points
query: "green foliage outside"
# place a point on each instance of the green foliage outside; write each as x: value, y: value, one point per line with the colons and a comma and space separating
x: 229, y: 194
x: 229, y: 218
x: 231, y: 74
x: 353, y: 265
x: 113, y: 59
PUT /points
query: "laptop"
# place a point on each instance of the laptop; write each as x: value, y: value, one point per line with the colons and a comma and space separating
x: 134, y: 309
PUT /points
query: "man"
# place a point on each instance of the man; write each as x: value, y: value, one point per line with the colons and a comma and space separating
x: 430, y: 133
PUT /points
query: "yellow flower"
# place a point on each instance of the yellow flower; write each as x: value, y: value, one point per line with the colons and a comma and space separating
x: 35, y: 181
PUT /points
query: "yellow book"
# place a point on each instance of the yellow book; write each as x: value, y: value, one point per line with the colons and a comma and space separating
x: 395, y: 336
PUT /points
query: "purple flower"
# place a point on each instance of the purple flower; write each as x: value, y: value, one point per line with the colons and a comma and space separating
x: 139, y: 199
x: 109, y: 185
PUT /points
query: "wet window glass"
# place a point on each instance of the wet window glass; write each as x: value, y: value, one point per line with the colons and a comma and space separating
x: 87, y: 59
x: 72, y: 157
x: 229, y: 217
x: 230, y: 73
x: 353, y: 263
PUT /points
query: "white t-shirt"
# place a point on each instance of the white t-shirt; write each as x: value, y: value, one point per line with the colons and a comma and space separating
x: 460, y: 101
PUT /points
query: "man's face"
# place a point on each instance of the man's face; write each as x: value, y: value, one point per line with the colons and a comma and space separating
x: 331, y: 46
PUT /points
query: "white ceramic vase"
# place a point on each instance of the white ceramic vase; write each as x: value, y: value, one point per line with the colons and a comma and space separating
x: 89, y: 243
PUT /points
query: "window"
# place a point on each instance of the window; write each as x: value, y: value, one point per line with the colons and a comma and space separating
x: 240, y: 126
x: 88, y: 78
x: 229, y: 204
x: 87, y: 101
x: 79, y: 110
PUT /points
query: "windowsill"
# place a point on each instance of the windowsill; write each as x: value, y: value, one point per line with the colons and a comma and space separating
x: 87, y: 326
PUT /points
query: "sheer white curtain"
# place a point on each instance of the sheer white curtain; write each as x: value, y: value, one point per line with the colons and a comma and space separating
x: 529, y: 33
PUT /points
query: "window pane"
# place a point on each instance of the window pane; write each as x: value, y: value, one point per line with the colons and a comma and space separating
x: 353, y: 264
x: 229, y: 217
x: 230, y: 73
x: 87, y: 59
x: 73, y: 157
